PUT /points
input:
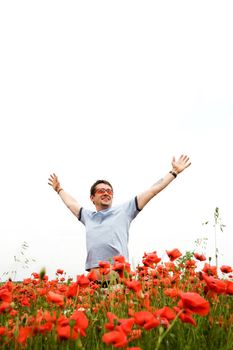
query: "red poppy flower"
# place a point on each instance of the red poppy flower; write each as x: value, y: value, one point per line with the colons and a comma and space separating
x: 2, y: 330
x: 190, y: 264
x: 81, y: 322
x: 92, y: 276
x: 72, y: 290
x: 215, y: 284
x: 173, y: 254
x: 210, y: 270
x: 153, y: 323
x: 171, y: 292
x: 64, y: 332
x: 27, y: 281
x: 126, y: 324
x: 59, y: 272
x: 104, y: 264
x: 199, y: 257
x: 45, y: 316
x: 113, y: 321
x: 119, y: 258
x: 170, y: 266
x: 55, y: 298
x: 166, y: 312
x: 62, y: 321
x: 83, y: 281
x: 226, y: 269
x: 41, y: 291
x: 13, y: 312
x: 185, y: 316
x: 25, y: 301
x: 120, y: 267
x: 104, y: 267
x: 229, y: 289
x: 141, y: 317
x: 134, y: 285
x: 146, y: 319
x: 150, y: 259
x: 195, y: 303
x: 45, y: 327
x: 4, y: 306
x: 24, y: 333
x: 5, y: 295
x: 117, y: 338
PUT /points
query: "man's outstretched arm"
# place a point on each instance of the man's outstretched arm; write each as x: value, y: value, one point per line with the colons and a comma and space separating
x: 69, y: 201
x: 177, y: 167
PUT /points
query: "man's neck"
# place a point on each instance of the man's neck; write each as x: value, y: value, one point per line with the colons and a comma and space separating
x: 102, y: 207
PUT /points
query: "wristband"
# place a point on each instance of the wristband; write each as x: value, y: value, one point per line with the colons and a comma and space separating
x: 173, y: 173
x: 61, y: 189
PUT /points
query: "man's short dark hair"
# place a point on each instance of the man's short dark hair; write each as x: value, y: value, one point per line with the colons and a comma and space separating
x: 93, y: 187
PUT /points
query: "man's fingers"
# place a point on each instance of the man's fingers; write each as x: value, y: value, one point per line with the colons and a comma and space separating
x: 53, y: 178
x: 184, y: 158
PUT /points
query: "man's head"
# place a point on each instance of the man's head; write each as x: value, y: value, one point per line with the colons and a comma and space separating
x: 101, y: 194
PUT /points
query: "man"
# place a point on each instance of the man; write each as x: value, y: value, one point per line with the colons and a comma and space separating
x: 107, y: 228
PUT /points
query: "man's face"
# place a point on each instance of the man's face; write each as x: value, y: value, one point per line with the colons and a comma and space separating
x: 102, y: 197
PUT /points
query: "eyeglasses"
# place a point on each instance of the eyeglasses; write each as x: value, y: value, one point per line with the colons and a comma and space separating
x: 103, y: 190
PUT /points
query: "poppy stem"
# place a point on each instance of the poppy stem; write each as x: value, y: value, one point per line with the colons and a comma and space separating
x: 168, y: 330
x: 216, y: 222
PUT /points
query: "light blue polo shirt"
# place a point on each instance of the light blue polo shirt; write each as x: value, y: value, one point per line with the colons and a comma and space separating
x: 107, y: 232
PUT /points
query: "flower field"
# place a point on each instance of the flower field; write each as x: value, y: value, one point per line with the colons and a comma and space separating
x: 183, y: 303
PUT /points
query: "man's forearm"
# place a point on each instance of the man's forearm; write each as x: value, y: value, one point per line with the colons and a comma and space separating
x: 163, y: 182
x: 69, y: 201
x: 146, y: 196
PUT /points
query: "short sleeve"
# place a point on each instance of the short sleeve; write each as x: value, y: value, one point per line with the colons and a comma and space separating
x: 83, y: 216
x: 131, y: 208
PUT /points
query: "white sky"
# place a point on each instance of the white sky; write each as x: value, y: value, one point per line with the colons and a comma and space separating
x: 113, y: 89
